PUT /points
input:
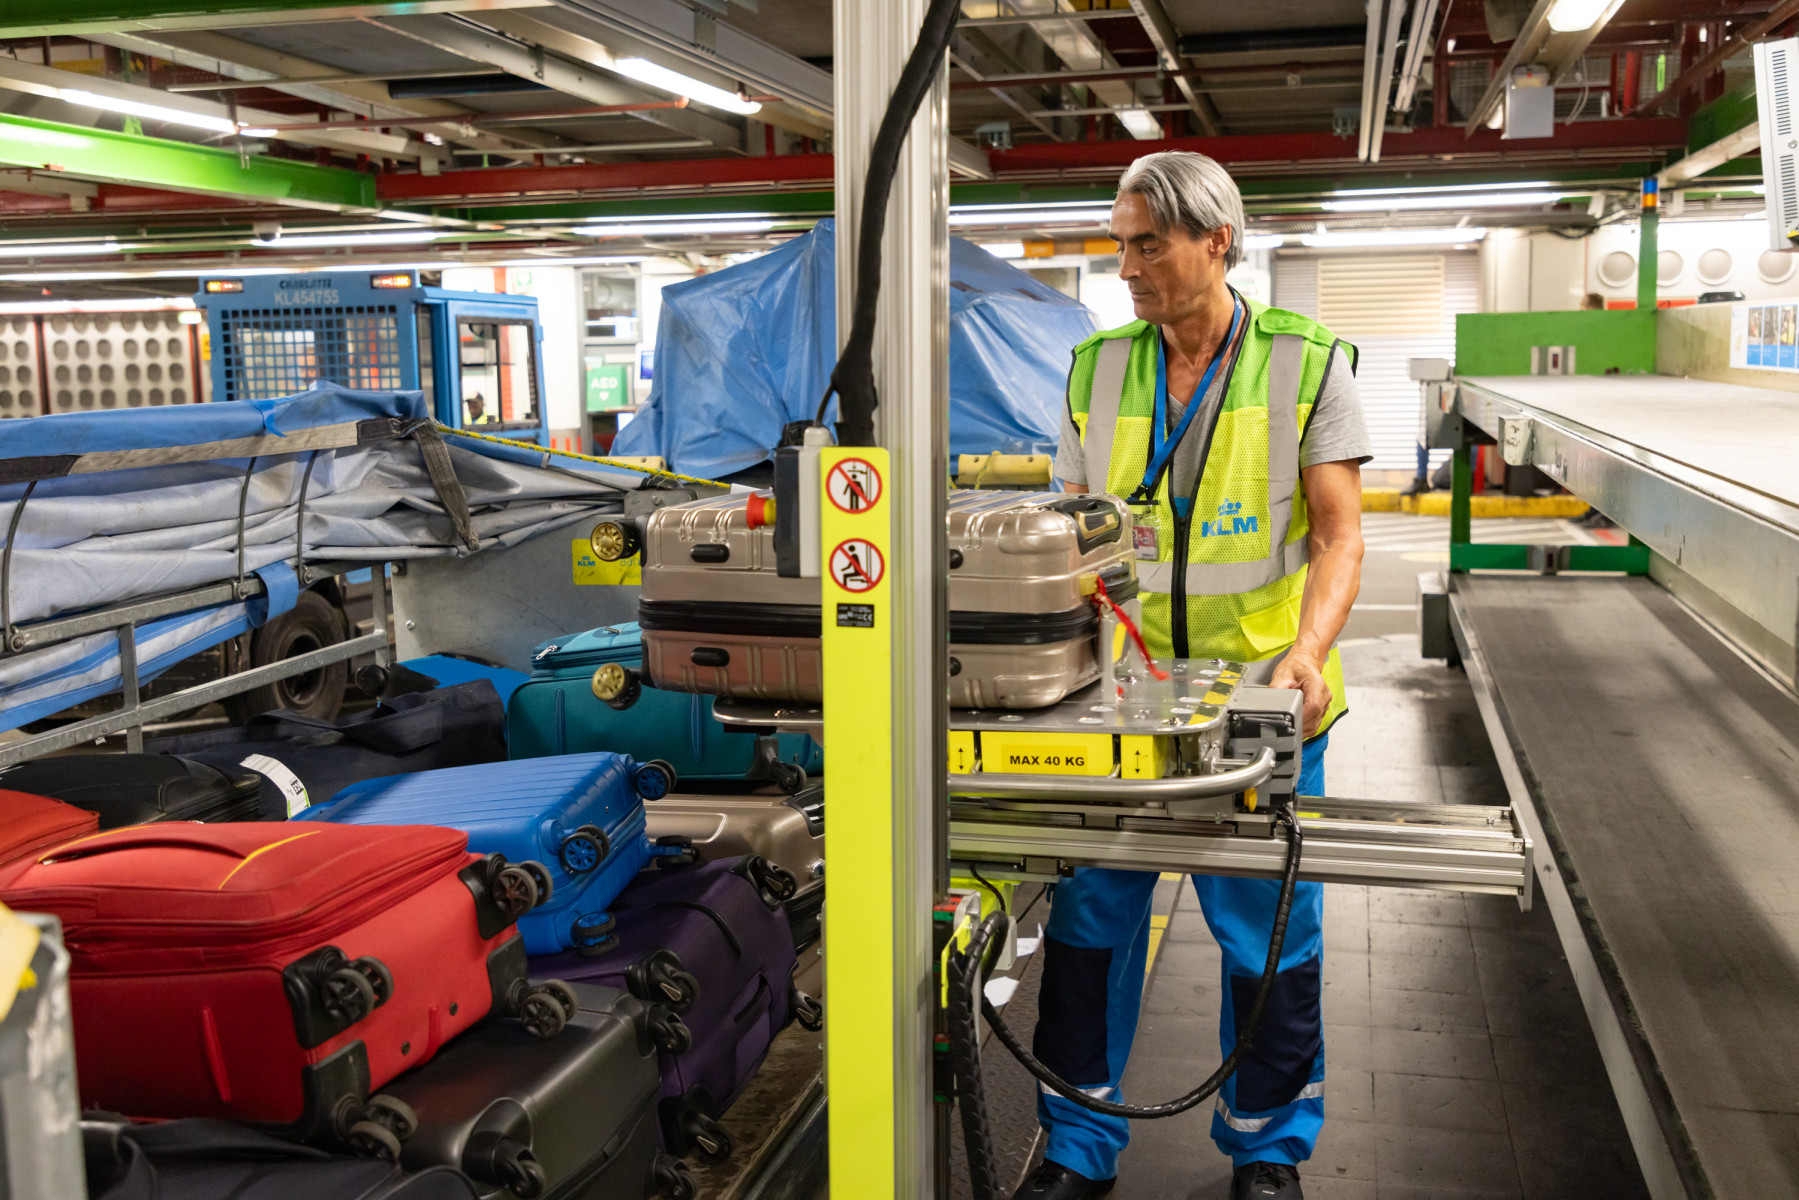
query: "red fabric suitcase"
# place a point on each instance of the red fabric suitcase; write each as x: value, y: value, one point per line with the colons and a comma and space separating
x: 276, y: 973
x: 31, y: 823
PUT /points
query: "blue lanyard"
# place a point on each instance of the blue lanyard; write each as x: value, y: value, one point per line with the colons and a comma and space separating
x: 1163, y: 445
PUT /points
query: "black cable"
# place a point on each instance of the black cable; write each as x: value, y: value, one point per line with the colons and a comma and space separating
x: 998, y: 896
x: 965, y: 1056
x: 1245, y: 1035
x: 853, y: 378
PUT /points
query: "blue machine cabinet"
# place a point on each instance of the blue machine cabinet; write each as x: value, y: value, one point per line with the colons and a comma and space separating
x: 476, y: 354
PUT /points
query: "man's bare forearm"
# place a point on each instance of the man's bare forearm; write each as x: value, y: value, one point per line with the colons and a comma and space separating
x: 1334, y: 543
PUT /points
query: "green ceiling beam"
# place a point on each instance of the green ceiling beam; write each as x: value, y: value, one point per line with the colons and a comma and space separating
x: 109, y: 157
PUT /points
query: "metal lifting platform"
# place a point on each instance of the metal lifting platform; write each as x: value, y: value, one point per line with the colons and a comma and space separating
x: 1184, y: 775
x: 1648, y: 732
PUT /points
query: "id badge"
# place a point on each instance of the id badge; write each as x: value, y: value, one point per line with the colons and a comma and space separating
x: 1146, y: 540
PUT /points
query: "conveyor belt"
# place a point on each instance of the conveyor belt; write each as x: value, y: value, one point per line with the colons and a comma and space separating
x: 1665, y: 771
x: 1747, y: 435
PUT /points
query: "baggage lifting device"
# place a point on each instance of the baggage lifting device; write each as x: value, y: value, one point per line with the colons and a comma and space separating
x: 476, y: 354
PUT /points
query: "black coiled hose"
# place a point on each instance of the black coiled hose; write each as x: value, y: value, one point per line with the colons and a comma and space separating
x: 965, y: 1046
x: 853, y: 379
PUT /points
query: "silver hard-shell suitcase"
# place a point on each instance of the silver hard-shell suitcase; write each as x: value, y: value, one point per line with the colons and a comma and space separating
x: 718, y: 619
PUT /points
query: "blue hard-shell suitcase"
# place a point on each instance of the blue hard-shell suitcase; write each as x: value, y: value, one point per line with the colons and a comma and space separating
x: 556, y: 712
x: 579, y: 817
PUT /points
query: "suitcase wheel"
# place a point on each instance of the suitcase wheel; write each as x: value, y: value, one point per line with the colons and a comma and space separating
x: 393, y: 1114
x: 776, y: 883
x: 592, y: 933
x: 564, y: 993
x: 545, y: 1011
x: 709, y: 1139
x: 347, y: 995
x: 789, y: 777
x: 493, y: 1158
x: 672, y: 1179
x: 668, y: 1031
x: 674, y: 851
x: 618, y: 687
x: 584, y: 849
x: 515, y: 889
x: 540, y: 875
x: 806, y: 1010
x: 660, y: 977
x: 654, y: 779
x: 369, y: 1140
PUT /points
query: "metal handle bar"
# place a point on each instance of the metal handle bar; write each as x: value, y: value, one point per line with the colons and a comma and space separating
x: 1110, y: 787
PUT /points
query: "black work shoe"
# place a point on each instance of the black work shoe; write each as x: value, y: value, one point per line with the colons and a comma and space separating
x: 1053, y: 1181
x: 1420, y: 484
x: 1265, y: 1181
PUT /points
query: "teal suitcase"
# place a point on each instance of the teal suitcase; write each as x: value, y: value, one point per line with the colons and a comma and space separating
x: 556, y: 712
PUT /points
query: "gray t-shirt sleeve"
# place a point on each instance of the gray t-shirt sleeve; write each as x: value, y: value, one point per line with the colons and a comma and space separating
x: 1071, y: 465
x: 1336, y: 430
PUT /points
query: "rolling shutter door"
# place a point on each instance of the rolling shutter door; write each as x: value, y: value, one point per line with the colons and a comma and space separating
x: 1393, y: 308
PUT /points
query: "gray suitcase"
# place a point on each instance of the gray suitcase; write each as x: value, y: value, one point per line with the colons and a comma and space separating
x: 717, y: 618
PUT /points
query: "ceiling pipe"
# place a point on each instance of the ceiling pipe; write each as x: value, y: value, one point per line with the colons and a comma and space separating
x: 1396, y: 10
x: 486, y: 119
x: 1370, y: 62
x: 1420, y: 41
x: 1065, y: 77
x: 1270, y: 41
x: 1706, y: 64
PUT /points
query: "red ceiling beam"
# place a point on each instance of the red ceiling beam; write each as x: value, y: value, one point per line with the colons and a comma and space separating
x: 1695, y: 74
x: 1662, y: 133
x: 115, y: 198
x: 1648, y: 135
x: 600, y: 177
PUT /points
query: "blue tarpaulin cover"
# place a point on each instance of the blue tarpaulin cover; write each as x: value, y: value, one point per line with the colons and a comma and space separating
x: 743, y: 351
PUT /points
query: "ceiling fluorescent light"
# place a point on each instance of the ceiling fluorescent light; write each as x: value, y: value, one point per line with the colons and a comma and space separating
x: 1141, y: 122
x: 1041, y: 216
x: 1332, y: 239
x: 1004, y: 249
x: 308, y: 241
x: 645, y: 71
x: 150, y: 112
x: 25, y: 250
x: 1396, y: 203
x: 1533, y: 185
x: 253, y: 131
x: 1263, y: 241
x: 1576, y: 16
x: 675, y: 228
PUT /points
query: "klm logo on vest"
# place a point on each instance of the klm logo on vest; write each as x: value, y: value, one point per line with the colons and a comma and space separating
x: 1228, y: 522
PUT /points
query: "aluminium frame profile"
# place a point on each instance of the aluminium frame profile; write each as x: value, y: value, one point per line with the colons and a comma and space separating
x: 136, y: 712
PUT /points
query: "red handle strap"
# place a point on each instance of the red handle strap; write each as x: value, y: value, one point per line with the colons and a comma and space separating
x: 1102, y: 602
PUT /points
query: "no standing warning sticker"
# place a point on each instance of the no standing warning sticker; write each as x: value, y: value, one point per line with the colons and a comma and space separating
x: 854, y: 485
x: 857, y: 565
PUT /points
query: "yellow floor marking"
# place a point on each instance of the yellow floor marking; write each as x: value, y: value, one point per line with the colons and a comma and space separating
x: 1158, y: 925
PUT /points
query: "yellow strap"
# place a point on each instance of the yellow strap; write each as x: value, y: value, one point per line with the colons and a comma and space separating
x: 18, y: 942
x: 617, y: 464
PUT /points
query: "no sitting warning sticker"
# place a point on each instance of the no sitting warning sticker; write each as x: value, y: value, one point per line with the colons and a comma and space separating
x: 854, y: 485
x: 856, y: 565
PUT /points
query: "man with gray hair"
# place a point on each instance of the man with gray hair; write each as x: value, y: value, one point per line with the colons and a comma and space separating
x: 1235, y: 433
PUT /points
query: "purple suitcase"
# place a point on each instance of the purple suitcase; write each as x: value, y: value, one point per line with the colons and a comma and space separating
x: 712, y: 942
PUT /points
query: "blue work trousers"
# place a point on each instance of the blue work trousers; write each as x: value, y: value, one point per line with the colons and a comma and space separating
x: 1096, y: 950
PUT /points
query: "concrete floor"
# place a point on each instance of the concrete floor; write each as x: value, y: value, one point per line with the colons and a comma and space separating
x: 1461, y: 1065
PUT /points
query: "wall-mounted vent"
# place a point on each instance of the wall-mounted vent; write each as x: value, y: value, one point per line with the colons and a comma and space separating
x: 1775, y: 66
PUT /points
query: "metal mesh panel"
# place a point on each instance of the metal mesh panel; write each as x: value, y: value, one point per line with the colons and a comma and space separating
x: 268, y: 352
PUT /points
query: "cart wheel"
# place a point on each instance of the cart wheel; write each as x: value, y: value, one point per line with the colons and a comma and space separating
x: 709, y: 1138
x: 583, y: 850
x: 347, y: 995
x: 673, y: 1180
x: 379, y: 977
x: 654, y: 779
x: 515, y: 891
x: 807, y: 1011
x: 789, y: 777
x: 540, y: 875
x: 542, y: 1014
x: 369, y: 1140
x: 392, y: 1114
x: 669, y: 1031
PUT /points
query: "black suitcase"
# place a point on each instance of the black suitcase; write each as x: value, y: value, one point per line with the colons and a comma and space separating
x: 571, y: 1118
x: 136, y: 789
x: 216, y: 1160
x: 304, y: 760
